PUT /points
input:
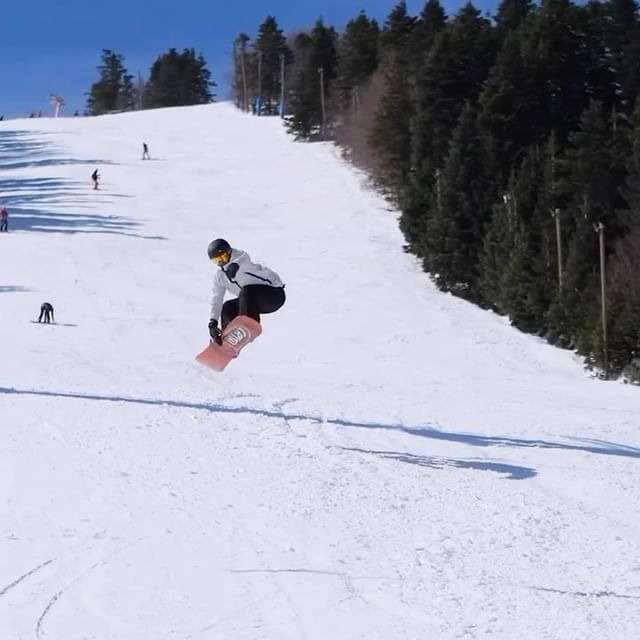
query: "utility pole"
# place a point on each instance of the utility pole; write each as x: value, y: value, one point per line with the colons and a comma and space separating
x: 243, y: 71
x: 355, y: 101
x: 245, y: 101
x: 603, y: 292
x: 555, y: 212
x: 507, y: 198
x: 556, y: 215
x: 140, y: 92
x: 259, y: 97
x: 282, y: 85
x: 322, y: 105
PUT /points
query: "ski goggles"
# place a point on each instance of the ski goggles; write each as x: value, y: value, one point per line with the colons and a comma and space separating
x: 221, y: 257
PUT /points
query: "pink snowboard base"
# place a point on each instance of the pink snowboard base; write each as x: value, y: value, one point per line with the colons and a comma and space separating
x: 237, y: 334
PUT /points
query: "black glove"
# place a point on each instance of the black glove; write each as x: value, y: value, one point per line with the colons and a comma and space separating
x: 231, y: 270
x: 214, y: 332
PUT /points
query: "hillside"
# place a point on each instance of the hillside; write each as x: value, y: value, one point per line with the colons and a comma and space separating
x: 385, y: 461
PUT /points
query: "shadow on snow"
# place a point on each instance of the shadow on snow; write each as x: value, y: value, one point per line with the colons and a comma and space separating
x: 54, y: 324
x: 47, y: 162
x: 29, y: 199
x: 9, y: 288
x: 598, y: 447
x: 20, y: 143
x: 35, y: 220
x: 513, y: 472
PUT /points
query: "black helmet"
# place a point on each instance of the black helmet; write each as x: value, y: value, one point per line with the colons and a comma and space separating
x: 219, y: 250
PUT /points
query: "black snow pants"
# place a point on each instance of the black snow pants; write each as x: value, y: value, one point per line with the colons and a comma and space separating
x: 46, y: 313
x: 253, y: 300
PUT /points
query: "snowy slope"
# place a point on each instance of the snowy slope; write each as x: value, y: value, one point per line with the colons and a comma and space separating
x: 384, y: 462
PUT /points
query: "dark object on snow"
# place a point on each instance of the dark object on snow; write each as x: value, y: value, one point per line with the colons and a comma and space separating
x: 214, y: 331
x: 46, y: 313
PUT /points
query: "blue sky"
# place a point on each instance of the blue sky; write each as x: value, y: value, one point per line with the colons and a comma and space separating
x: 54, y: 47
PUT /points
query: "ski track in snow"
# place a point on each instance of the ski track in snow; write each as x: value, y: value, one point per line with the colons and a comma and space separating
x: 24, y: 576
x: 386, y: 461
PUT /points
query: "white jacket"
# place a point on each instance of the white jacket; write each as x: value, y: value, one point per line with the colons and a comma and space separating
x: 248, y: 273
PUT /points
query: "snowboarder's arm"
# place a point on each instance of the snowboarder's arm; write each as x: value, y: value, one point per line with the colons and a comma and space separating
x: 217, y: 297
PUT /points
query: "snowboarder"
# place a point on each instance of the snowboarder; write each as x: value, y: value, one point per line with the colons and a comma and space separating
x: 46, y: 313
x: 4, y: 219
x: 259, y: 289
x: 145, y: 152
x: 95, y: 176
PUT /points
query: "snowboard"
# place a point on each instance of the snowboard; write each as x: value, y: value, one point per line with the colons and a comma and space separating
x: 237, y: 334
x: 57, y: 324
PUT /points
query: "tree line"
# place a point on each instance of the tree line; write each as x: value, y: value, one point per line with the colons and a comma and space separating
x: 175, y: 79
x: 509, y: 143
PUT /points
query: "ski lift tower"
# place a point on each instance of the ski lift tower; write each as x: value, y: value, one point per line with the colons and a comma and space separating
x: 58, y: 103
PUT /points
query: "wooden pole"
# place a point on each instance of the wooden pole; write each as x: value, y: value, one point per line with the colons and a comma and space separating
x: 322, y: 105
x: 556, y: 214
x: 282, y: 85
x: 603, y: 296
x: 245, y: 97
x: 259, y: 98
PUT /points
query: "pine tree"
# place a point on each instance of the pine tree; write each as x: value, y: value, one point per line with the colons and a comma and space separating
x: 114, y: 90
x: 630, y: 66
x: 567, y: 63
x: 455, y: 231
x: 517, y: 264
x: 357, y: 60
x: 397, y: 30
x: 271, y: 50
x: 390, y: 134
x: 240, y: 85
x: 592, y: 182
x: 624, y: 269
x: 300, y: 45
x: 512, y: 13
x: 178, y: 79
x: 397, y: 127
x: 315, y: 72
x: 623, y: 302
x: 430, y: 23
x: 202, y: 84
x: 357, y: 90
x: 621, y: 35
x: 452, y: 75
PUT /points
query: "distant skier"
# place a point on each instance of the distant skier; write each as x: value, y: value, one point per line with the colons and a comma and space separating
x: 4, y: 219
x: 95, y: 176
x: 259, y: 289
x: 46, y: 313
x: 145, y: 152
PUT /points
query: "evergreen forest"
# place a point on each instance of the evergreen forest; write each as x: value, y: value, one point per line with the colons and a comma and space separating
x: 175, y: 79
x: 510, y: 143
